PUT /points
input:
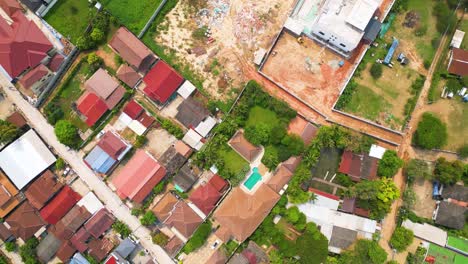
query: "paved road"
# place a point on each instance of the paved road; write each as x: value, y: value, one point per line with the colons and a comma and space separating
x: 110, y: 199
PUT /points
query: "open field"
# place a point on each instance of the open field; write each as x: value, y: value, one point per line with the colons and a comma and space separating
x: 70, y: 17
x: 132, y: 13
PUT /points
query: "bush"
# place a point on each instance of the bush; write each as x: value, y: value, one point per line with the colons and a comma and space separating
x: 270, y: 158
x: 148, y: 218
x: 8, y: 132
x: 199, y: 33
x: 417, y: 169
x: 463, y: 151
x: 448, y: 172
x: 344, y: 180
x: 401, y: 238
x: 97, y: 35
x: 431, y: 132
x: 389, y: 164
x: 59, y: 164
x: 28, y: 251
x: 172, y: 128
x: 198, y: 238
x: 67, y: 133
x: 376, y: 70
x: 53, y: 112
x: 85, y: 43
x: 121, y: 228
x: 160, y: 239
x: 258, y: 134
x: 160, y: 187
x: 10, y: 246
x: 140, y: 141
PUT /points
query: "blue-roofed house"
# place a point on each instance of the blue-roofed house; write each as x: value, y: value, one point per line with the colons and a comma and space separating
x: 125, y: 248
x: 79, y: 259
x: 110, y: 149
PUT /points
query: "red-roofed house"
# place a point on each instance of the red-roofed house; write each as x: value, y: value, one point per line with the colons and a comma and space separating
x: 36, y: 78
x: 206, y: 196
x: 60, y: 205
x: 133, y: 109
x: 128, y: 75
x: 161, y: 82
x: 80, y: 240
x: 136, y: 180
x: 184, y: 220
x: 22, y: 44
x: 358, y: 166
x: 458, y: 63
x: 55, y: 62
x: 106, y: 87
x: 113, y: 145
x: 99, y: 223
x: 92, y: 107
x: 10, y: 6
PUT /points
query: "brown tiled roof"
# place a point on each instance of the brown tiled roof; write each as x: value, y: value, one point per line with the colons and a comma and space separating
x: 17, y: 119
x: 56, y: 61
x: 242, y: 213
x: 80, y: 240
x: 99, y: 223
x: 299, y: 126
x: 42, y: 189
x: 112, y: 144
x: 281, y: 177
x: 182, y: 148
x: 33, y: 76
x: 246, y: 149
x: 70, y: 223
x: 218, y: 257
x: 224, y: 234
x: 173, y: 246
x: 106, y: 87
x: 25, y: 221
x: 66, y: 251
x: 8, y: 196
x: 459, y: 62
x: 5, y: 233
x: 132, y: 50
x: 99, y: 249
x: 128, y: 75
x: 184, y: 219
x: 164, y: 207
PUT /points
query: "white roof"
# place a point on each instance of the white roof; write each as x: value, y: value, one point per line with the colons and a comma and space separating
x: 186, y: 89
x: 91, y: 203
x: 193, y: 139
x: 326, y: 202
x: 137, y: 127
x: 362, y: 12
x: 25, y: 158
x: 124, y: 119
x: 427, y: 232
x: 457, y: 39
x: 377, y: 151
x: 259, y: 55
x: 324, y: 216
x: 294, y: 25
x: 206, y: 126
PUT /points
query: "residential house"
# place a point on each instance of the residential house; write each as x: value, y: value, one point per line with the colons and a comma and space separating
x: 207, y: 195
x: 427, y: 232
x: 191, y: 112
x: 135, y: 117
x: 42, y: 189
x: 36, y: 79
x: 28, y: 149
x: 91, y: 203
x: 110, y: 149
x: 243, y: 147
x: 141, y: 124
x: 125, y: 248
x: 458, y: 62
x: 60, y: 205
x: 173, y: 246
x: 91, y: 107
x: 17, y: 119
x: 450, y: 214
x: 302, y: 128
x: 24, y: 222
x: 349, y: 206
x: 186, y: 89
x: 10, y: 6
x: 132, y: 50
x: 128, y: 75
x: 55, y: 62
x: 193, y: 139
x: 341, y: 238
x: 186, y: 177
x: 241, y: 213
x: 99, y: 223
x: 205, y: 126
x: 252, y: 254
x: 24, y: 46
x: 65, y: 251
x: 47, y: 248
x: 161, y: 83
x: 70, y: 223
x: 78, y: 259
x: 139, y: 176
x: 81, y: 239
x: 358, y: 166
x: 175, y: 157
x: 283, y: 174
x: 9, y: 197
x: 455, y: 192
x: 163, y: 208
x: 182, y: 220
x: 5, y: 234
x: 100, y: 248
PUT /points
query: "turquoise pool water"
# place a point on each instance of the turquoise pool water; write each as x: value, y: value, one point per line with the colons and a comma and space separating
x: 253, y: 179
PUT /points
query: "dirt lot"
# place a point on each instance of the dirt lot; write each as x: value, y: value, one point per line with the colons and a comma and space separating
x: 424, y: 205
x: 238, y: 28
x: 310, y: 72
x: 159, y: 140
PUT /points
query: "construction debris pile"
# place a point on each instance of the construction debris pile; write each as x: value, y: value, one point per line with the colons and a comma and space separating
x: 214, y: 14
x: 248, y: 24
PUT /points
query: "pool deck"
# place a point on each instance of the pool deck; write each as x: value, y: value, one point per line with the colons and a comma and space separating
x: 266, y: 175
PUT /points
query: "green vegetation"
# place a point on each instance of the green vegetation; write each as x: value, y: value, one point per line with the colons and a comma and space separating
x: 8, y: 132
x: 140, y: 141
x: 445, y: 255
x: 389, y: 164
x: 449, y: 172
x: 132, y: 13
x: 67, y: 134
x: 431, y: 132
x: 463, y: 151
x: 160, y: 239
x: 376, y: 70
x: 401, y: 238
x: 148, y: 219
x: 11, y: 246
x: 457, y: 242
x: 98, y: 34
x: 233, y: 162
x: 198, y: 238
x: 229, y: 247
x: 28, y: 251
x: 417, y: 257
x: 121, y: 228
x: 70, y: 17
x: 416, y: 88
x: 4, y: 259
x: 417, y: 169
x: 362, y: 100
x: 160, y: 187
x: 365, y: 251
x: 171, y: 128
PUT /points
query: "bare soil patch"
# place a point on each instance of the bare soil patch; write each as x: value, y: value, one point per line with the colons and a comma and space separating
x: 159, y: 140
x: 424, y: 205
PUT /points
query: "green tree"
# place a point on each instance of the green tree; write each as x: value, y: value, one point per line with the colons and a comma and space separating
x: 295, y: 193
x: 93, y: 59
x: 409, y: 198
x: 160, y: 187
x: 28, y: 251
x: 389, y: 164
x: 417, y: 169
x: 294, y: 145
x: 258, y: 134
x: 292, y: 214
x: 312, y: 246
x: 8, y: 132
x: 401, y: 238
x: 431, y: 132
x: 85, y: 43
x: 160, y: 239
x: 59, y: 164
x: 270, y: 158
x: 10, y: 246
x: 97, y: 35
x: 448, y: 172
x: 53, y: 112
x: 376, y: 70
x: 67, y: 133
x: 148, y: 218
x: 140, y: 141
x: 198, y: 238
x: 364, y: 252
x: 121, y: 228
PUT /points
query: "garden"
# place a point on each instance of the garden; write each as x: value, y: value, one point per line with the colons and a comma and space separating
x: 133, y: 18
x: 71, y: 17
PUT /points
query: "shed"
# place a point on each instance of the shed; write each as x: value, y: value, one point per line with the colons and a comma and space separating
x: 372, y: 30
x: 427, y: 232
x: 191, y: 112
x: 186, y: 90
x: 457, y: 39
x: 205, y: 126
x: 377, y: 151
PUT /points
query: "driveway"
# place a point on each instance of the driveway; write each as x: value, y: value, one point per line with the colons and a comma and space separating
x: 109, y: 198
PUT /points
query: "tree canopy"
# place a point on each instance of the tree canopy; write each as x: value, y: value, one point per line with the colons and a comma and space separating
x: 431, y: 132
x: 8, y: 132
x: 389, y: 164
x: 417, y: 169
x: 198, y: 238
x: 258, y: 134
x: 448, y: 172
x: 401, y: 238
x: 148, y: 218
x: 312, y: 247
x: 67, y: 133
x: 364, y: 252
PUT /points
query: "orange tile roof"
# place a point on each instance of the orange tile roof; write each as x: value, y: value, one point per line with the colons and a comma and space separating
x: 246, y: 149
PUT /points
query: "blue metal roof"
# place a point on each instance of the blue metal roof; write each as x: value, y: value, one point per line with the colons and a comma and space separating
x: 99, y: 160
x: 392, y: 50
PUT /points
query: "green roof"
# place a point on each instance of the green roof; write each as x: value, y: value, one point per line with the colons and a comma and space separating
x: 458, y: 243
x: 460, y: 259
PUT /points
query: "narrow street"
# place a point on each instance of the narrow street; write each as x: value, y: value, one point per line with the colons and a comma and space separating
x: 107, y: 196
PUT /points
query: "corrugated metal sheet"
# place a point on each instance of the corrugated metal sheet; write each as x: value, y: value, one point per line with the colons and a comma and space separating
x: 99, y: 160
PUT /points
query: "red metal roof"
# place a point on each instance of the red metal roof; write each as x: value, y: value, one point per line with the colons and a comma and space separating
x: 219, y: 183
x: 33, y: 76
x: 60, y: 205
x: 133, y: 109
x: 458, y: 62
x: 139, y: 176
x: 145, y: 119
x: 99, y: 223
x: 205, y: 197
x: 345, y: 164
x: 111, y: 260
x: 112, y: 144
x: 328, y: 195
x: 79, y: 240
x: 23, y: 45
x: 55, y: 62
x: 91, y: 106
x: 161, y: 82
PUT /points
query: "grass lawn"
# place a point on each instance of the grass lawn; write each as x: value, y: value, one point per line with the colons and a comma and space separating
x: 284, y: 226
x: 459, y: 243
x: 445, y: 256
x: 366, y: 103
x: 229, y: 247
x: 233, y: 161
x: 70, y: 17
x: 258, y: 115
x: 132, y: 13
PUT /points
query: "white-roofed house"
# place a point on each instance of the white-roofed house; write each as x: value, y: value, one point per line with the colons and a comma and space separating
x: 186, y: 89
x: 377, y: 151
x: 427, y: 232
x: 457, y: 39
x: 91, y: 203
x: 205, y: 126
x: 26, y: 158
x: 193, y: 139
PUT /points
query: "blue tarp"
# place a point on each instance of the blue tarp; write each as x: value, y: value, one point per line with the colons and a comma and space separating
x: 99, y: 160
x: 391, y: 51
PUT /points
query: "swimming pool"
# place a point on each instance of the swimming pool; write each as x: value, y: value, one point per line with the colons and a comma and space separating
x: 253, y: 179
